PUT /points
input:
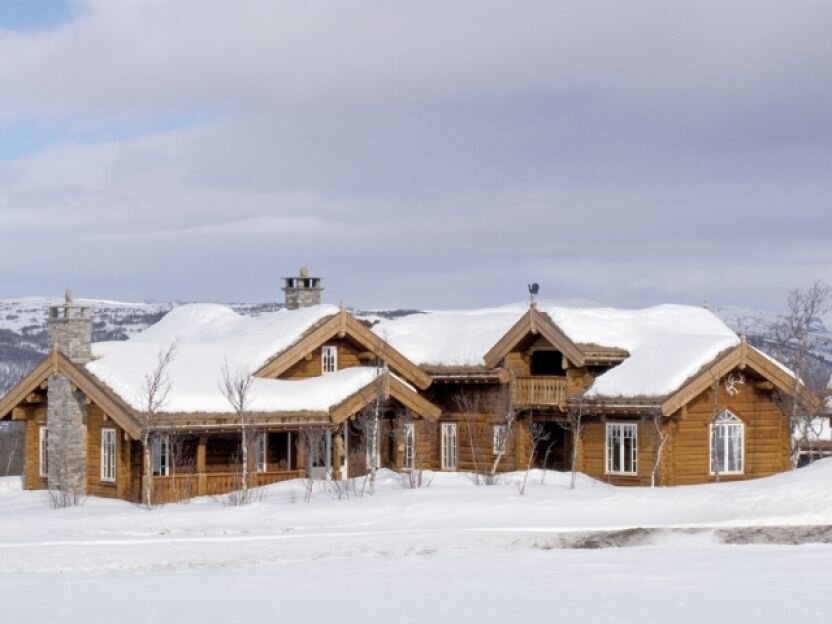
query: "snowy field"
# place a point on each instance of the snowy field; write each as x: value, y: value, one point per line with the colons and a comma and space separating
x: 451, y: 550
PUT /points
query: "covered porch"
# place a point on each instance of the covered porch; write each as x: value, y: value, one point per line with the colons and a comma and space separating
x: 191, y: 464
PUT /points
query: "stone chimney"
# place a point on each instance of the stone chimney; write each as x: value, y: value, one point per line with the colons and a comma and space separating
x: 70, y: 331
x: 302, y: 291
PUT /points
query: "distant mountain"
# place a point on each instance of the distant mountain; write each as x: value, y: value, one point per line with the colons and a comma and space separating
x: 24, y: 342
x: 759, y: 327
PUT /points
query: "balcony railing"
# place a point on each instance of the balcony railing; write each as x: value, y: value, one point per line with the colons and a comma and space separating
x: 539, y: 391
x: 172, y: 489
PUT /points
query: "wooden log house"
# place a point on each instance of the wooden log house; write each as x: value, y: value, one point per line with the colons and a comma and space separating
x: 479, y: 390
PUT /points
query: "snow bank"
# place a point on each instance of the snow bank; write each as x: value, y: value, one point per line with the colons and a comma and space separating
x: 11, y: 484
x: 667, y: 343
x: 206, y: 335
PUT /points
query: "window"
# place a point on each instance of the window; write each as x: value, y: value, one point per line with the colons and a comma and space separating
x: 260, y: 448
x: 43, y: 446
x: 160, y: 451
x: 727, y: 444
x: 500, y: 433
x: 321, y: 452
x: 408, y: 462
x: 108, y: 454
x: 448, y: 446
x: 329, y: 359
x: 622, y: 448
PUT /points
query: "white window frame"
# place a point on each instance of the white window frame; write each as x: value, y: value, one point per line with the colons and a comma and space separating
x: 160, y: 455
x: 43, y: 451
x: 449, y: 446
x: 499, y: 439
x: 329, y: 359
x: 409, y: 458
x: 261, y: 447
x: 730, y: 422
x: 108, y: 455
x: 616, y: 434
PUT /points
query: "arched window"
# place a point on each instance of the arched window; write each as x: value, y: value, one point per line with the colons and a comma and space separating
x: 727, y: 444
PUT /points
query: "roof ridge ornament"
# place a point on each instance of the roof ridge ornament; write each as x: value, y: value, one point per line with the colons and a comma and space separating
x: 534, y: 290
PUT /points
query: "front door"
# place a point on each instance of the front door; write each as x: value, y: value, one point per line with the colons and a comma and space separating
x: 321, y: 460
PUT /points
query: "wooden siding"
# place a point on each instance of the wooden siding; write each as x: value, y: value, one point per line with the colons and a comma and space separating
x: 310, y: 365
x: 767, y: 443
x: 592, y: 451
x: 35, y: 417
x: 96, y: 421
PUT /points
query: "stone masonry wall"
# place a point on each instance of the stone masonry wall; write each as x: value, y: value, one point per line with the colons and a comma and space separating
x: 67, y: 444
x: 70, y: 329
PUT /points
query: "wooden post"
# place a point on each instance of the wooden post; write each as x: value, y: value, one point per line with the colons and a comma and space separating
x: 202, y: 477
x: 301, y: 453
x: 123, y: 447
x: 337, y: 455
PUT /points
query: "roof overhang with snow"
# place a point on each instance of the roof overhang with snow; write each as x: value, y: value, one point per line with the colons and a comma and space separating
x: 57, y: 362
x: 534, y: 322
x: 344, y: 325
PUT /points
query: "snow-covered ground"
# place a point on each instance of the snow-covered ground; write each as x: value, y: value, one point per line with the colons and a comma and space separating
x: 450, y: 550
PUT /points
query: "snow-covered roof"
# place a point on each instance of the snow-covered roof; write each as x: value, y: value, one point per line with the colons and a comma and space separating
x: 206, y: 335
x: 667, y: 344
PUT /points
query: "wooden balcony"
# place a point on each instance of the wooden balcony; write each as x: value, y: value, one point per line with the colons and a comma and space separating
x: 539, y: 391
x: 180, y: 487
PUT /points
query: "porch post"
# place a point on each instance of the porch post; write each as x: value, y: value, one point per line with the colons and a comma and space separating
x: 202, y: 478
x: 337, y: 456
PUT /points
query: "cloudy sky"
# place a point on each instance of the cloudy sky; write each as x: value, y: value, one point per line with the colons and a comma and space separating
x: 416, y: 153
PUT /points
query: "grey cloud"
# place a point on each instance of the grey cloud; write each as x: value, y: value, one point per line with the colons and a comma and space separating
x: 427, y: 154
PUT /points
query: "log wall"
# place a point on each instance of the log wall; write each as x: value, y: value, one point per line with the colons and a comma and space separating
x: 767, y: 441
x: 35, y: 417
x: 310, y: 366
x: 96, y: 421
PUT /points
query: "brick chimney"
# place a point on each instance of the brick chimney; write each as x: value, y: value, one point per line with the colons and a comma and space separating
x: 302, y: 291
x: 70, y: 331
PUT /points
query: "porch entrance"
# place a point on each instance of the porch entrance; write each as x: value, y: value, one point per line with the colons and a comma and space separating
x: 555, y: 452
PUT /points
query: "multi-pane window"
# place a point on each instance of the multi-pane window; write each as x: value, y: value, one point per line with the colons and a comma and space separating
x: 43, y: 447
x: 499, y: 442
x: 108, y: 454
x: 727, y: 444
x: 622, y: 448
x: 160, y: 455
x: 321, y: 447
x: 408, y: 461
x: 260, y: 449
x: 329, y: 359
x: 448, y: 446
